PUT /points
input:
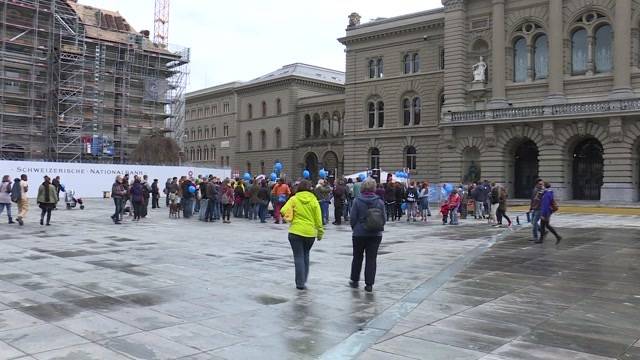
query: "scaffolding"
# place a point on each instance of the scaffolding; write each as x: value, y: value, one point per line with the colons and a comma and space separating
x: 78, y: 84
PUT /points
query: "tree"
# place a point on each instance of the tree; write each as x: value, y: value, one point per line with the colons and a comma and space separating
x: 156, y: 149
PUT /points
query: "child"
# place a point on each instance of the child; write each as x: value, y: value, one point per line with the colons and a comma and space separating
x: 444, y: 210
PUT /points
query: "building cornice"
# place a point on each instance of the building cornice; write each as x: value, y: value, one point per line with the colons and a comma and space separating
x: 387, y: 33
x: 289, y: 81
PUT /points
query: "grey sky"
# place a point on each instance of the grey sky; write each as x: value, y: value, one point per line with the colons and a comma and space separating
x: 243, y: 39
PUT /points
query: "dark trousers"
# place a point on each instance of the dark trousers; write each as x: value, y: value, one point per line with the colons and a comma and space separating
x: 391, y: 210
x: 138, y: 209
x: 544, y: 225
x: 262, y: 211
x: 187, y: 207
x: 301, y: 246
x: 226, y: 211
x: 208, y: 214
x: 145, y: 207
x: 155, y: 201
x: 118, y: 202
x: 501, y: 214
x: 365, y: 245
x: 347, y: 209
x: 337, y: 211
x: 46, y: 210
x: 166, y: 200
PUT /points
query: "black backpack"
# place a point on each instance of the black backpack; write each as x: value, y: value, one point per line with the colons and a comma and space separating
x: 16, y: 192
x: 373, y: 220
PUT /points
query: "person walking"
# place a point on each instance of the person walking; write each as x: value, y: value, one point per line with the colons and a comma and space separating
x: 166, y: 191
x: 5, y: 197
x: 366, y: 238
x: 501, y: 212
x: 547, y: 207
x: 21, y: 188
x: 281, y: 193
x: 263, y: 201
x: 47, y: 199
x: 58, y: 185
x: 118, y: 193
x: 304, y: 213
x: 534, y: 208
x: 390, y: 199
x: 187, y: 198
x: 323, y: 193
x: 339, y: 198
x: 227, y: 199
x: 155, y: 194
x: 137, y: 198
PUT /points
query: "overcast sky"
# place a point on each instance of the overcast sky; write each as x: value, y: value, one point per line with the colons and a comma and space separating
x: 243, y: 39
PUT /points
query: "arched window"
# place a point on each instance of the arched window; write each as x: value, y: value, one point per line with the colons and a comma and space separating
x: 406, y: 112
x: 406, y: 64
x: 410, y: 158
x: 193, y: 134
x: 250, y: 111
x: 263, y: 139
x: 199, y: 133
x: 225, y: 130
x: 372, y: 69
x: 249, y: 141
x: 374, y: 158
x: 307, y: 126
x: 520, y: 60
x: 206, y: 153
x: 278, y: 106
x: 214, y: 132
x: 193, y: 154
x: 206, y: 133
x: 264, y: 108
x: 602, y: 55
x: 199, y: 154
x: 316, y: 125
x: 380, y: 108
x: 372, y: 115
x: 416, y: 62
x: 278, y: 138
x: 380, y: 68
x: 541, y: 57
x: 326, y: 124
x: 213, y: 154
x: 579, y: 52
x: 417, y: 109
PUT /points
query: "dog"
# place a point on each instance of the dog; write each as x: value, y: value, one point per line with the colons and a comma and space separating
x: 174, y: 206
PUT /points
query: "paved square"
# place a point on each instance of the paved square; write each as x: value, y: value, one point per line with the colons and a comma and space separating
x: 163, y: 288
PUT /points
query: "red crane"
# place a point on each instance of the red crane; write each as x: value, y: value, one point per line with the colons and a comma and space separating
x: 161, y: 22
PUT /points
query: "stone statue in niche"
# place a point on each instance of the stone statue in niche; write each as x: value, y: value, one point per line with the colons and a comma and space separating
x: 480, y: 71
x: 473, y: 173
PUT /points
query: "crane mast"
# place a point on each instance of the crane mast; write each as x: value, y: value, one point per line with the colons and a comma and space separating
x: 161, y: 22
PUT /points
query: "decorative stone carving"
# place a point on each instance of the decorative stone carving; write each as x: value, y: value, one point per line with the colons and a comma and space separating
x: 354, y: 20
x: 480, y: 71
x: 453, y: 4
x: 490, y: 135
x: 615, y: 129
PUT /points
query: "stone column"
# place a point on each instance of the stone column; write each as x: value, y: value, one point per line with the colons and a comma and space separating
x: 556, y: 54
x: 622, y: 51
x: 456, y: 72
x: 498, y: 60
x: 618, y: 165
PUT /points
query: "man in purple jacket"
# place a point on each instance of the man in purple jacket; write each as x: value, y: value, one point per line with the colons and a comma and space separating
x: 546, y: 209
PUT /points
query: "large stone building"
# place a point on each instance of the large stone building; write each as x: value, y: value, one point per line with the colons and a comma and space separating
x: 292, y: 115
x: 506, y: 90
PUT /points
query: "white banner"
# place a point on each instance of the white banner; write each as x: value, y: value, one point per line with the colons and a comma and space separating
x: 90, y: 180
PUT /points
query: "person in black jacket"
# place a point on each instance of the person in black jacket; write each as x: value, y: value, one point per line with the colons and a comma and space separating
x: 399, y: 191
x: 339, y: 197
x: 155, y: 195
x: 264, y: 197
x: 390, y: 199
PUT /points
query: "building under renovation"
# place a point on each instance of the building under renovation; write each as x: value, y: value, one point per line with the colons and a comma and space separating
x: 79, y: 84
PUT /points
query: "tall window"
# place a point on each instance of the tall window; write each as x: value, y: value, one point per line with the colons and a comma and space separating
x: 374, y: 158
x: 415, y: 59
x: 316, y: 125
x: 249, y: 141
x: 372, y: 115
x: 603, y: 59
x: 380, y: 108
x: 199, y: 154
x: 264, y: 108
x: 225, y: 130
x: 278, y: 138
x: 199, y: 134
x: 417, y: 109
x: 225, y: 107
x: 250, y: 111
x: 278, y: 106
x: 326, y: 125
x: 375, y: 68
x: 541, y: 57
x: 380, y: 68
x: 206, y: 111
x: 206, y: 153
x: 520, y: 58
x: 372, y: 69
x: 206, y: 133
x: 579, y: 52
x: 213, y: 154
x: 263, y: 139
x: 441, y: 59
x: 214, y: 132
x: 193, y: 134
x: 410, y: 158
x: 406, y: 112
x: 307, y: 126
x: 406, y: 63
x: 215, y: 109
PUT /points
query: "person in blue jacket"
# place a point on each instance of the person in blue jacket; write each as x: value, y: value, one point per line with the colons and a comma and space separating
x: 546, y: 210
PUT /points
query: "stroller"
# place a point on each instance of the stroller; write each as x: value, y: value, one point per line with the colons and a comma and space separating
x: 72, y: 201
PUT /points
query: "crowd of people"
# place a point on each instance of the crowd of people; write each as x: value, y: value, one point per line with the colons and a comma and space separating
x: 17, y: 192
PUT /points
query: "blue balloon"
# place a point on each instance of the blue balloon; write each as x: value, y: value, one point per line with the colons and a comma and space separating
x: 448, y: 187
x: 404, y: 206
x: 247, y: 176
x: 192, y: 189
x: 278, y: 166
x: 323, y: 173
x: 362, y: 177
x: 274, y: 177
x: 306, y: 174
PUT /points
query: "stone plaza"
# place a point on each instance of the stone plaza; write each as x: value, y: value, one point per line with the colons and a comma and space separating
x: 182, y: 289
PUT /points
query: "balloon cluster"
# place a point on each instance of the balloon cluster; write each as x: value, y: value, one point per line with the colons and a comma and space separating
x: 246, y: 176
x: 273, y: 176
x: 277, y: 167
x: 323, y: 173
x: 306, y: 174
x: 362, y: 177
x: 401, y: 175
x: 446, y: 189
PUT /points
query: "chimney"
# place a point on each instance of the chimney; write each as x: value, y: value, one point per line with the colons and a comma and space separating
x: 145, y: 33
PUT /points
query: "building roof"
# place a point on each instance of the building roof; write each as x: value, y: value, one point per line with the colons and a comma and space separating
x: 379, y: 25
x: 222, y: 88
x: 301, y: 70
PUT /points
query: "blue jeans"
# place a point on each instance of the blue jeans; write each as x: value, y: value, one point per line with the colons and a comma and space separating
x: 8, y: 207
x: 347, y: 209
x: 119, y: 203
x: 301, y: 246
x: 324, y: 207
x: 187, y: 207
x: 535, y: 222
x: 262, y: 211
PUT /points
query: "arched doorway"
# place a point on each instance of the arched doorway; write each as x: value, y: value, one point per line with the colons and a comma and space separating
x: 525, y: 169
x: 330, y: 162
x: 588, y: 170
x: 311, y: 164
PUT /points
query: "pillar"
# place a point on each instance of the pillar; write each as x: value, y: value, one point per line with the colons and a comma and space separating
x: 622, y: 51
x: 498, y: 57
x: 618, y: 165
x: 456, y: 73
x: 555, y: 93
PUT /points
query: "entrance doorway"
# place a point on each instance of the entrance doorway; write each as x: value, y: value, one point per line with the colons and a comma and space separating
x: 525, y: 169
x: 588, y: 170
x: 311, y: 164
x: 330, y: 163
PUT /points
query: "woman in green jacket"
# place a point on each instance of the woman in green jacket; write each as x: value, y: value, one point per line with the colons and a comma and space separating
x: 47, y: 199
x: 303, y: 212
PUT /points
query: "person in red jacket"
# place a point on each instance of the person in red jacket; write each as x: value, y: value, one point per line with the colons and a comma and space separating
x: 454, y: 204
x: 281, y: 193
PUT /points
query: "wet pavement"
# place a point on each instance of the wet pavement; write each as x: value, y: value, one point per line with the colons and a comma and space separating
x: 163, y: 288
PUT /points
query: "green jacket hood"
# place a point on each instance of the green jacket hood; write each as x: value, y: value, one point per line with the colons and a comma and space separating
x: 305, y: 197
